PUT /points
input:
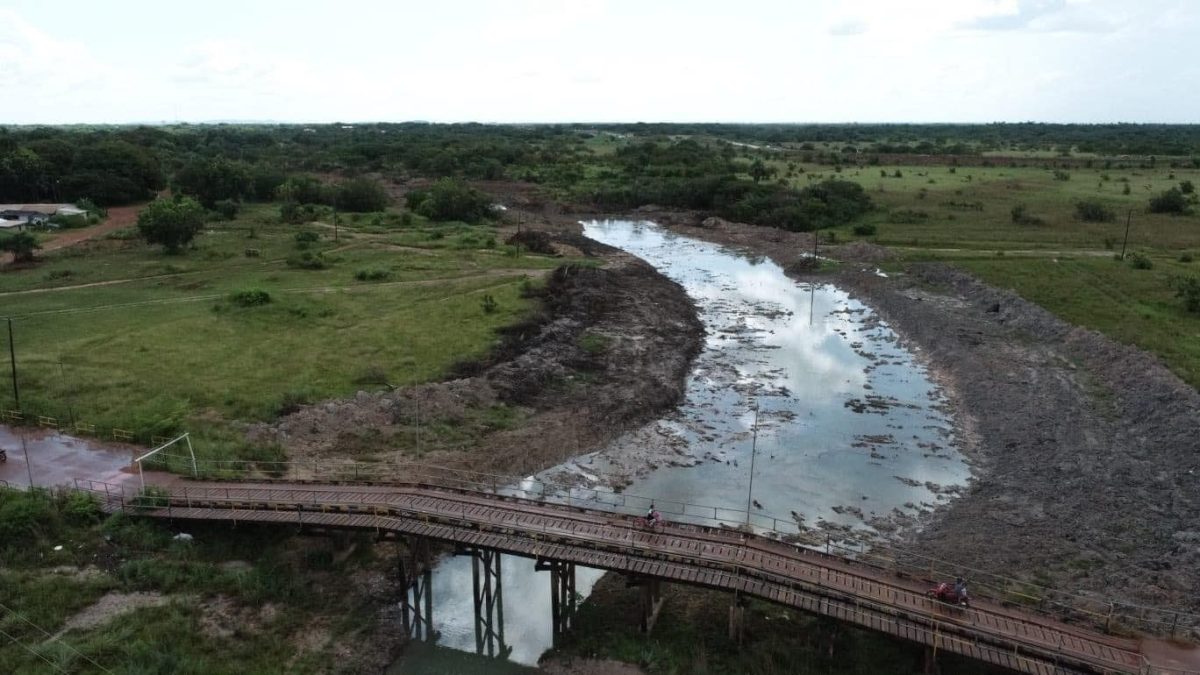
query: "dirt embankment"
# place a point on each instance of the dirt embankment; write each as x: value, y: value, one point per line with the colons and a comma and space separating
x: 611, y: 349
x: 1087, y: 477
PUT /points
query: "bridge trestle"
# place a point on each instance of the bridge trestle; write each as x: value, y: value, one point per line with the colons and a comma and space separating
x: 563, y: 600
x: 415, y: 575
x: 489, y: 602
x: 652, y: 599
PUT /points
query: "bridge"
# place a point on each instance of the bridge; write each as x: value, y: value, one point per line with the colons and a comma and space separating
x: 481, y: 521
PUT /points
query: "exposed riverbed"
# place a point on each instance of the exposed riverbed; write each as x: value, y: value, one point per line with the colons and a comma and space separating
x: 853, y: 438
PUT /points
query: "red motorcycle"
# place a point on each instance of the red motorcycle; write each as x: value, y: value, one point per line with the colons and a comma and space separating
x: 946, y: 592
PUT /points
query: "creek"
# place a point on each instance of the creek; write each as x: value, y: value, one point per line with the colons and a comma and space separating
x: 847, y: 434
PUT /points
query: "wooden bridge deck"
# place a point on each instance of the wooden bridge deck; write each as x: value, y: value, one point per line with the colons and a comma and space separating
x: 719, y: 558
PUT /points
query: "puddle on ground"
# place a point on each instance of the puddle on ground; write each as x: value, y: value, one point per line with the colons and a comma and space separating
x: 57, y: 459
x: 852, y: 435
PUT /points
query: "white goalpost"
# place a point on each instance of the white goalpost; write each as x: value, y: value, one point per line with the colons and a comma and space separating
x: 185, y: 437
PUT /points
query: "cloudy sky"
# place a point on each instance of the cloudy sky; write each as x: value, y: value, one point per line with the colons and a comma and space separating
x: 600, y: 60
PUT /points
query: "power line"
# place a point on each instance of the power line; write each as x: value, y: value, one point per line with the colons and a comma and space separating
x: 34, y: 652
x: 52, y: 638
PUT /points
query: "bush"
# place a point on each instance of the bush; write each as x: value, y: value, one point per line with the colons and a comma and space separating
x: 1171, y: 201
x: 308, y: 261
x: 307, y: 237
x: 1188, y: 290
x: 250, y: 298
x: 1091, y: 211
x: 372, y: 274
x: 908, y: 217
x: 865, y: 229
x: 1061, y: 175
x: 1187, y: 187
x: 1021, y: 216
x: 1185, y: 258
x: 488, y: 304
x: 227, y: 209
x: 1139, y: 261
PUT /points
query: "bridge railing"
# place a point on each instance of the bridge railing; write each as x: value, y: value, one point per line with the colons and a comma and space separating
x: 1112, y: 615
x: 866, y: 611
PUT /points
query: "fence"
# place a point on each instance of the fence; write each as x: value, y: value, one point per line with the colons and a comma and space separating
x: 1071, y: 607
x: 18, y: 418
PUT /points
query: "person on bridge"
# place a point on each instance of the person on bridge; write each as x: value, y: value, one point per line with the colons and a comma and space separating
x: 653, y: 517
x: 960, y: 589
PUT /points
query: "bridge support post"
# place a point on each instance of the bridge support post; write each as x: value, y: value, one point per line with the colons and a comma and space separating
x: 652, y: 599
x: 737, y: 619
x: 562, y: 594
x: 931, y: 662
x: 416, y: 592
x: 489, y: 602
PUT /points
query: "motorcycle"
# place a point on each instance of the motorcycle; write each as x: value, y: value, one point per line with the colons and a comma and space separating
x: 947, y: 593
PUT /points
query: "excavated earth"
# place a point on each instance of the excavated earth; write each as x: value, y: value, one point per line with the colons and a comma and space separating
x: 609, y: 349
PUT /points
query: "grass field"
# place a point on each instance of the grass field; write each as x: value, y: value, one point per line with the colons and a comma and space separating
x: 964, y: 217
x: 118, y: 334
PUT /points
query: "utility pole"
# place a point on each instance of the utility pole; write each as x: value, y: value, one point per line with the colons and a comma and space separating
x: 753, y: 454
x: 1128, y: 219
x: 12, y: 358
x: 28, y: 466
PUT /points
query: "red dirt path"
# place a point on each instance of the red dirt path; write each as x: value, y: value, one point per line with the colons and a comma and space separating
x: 118, y: 217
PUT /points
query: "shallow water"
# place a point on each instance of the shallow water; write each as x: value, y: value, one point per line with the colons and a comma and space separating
x: 851, y: 434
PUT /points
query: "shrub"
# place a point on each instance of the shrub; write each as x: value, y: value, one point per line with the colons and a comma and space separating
x: 1139, y: 261
x: 450, y: 199
x: 594, y: 343
x: 1092, y: 211
x: 1061, y: 175
x: 908, y: 216
x: 1125, y: 190
x: 1170, y: 201
x: 20, y: 244
x: 308, y: 261
x: 1188, y: 290
x: 227, y: 209
x: 488, y: 304
x: 1187, y: 187
x: 59, y: 274
x: 173, y: 223
x: 1185, y: 258
x: 250, y: 298
x: 372, y: 274
x: 1021, y: 216
x: 865, y: 229
x: 307, y: 237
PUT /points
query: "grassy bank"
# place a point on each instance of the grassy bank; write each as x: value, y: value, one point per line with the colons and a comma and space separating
x: 1055, y: 259
x: 229, y: 601
x: 117, y: 334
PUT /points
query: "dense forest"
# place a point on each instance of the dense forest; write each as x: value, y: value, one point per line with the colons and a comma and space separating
x: 701, y: 166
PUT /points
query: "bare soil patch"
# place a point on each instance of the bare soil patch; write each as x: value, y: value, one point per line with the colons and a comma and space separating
x: 110, y: 606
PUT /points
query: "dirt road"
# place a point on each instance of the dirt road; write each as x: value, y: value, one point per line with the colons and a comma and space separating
x: 118, y: 217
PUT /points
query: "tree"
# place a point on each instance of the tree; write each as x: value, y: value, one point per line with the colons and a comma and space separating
x: 214, y: 180
x: 450, y: 199
x: 361, y: 194
x: 20, y: 244
x: 758, y: 170
x: 173, y: 223
x: 1187, y: 187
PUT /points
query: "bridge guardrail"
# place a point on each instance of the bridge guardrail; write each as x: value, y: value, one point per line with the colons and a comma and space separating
x: 1072, y: 607
x: 184, y: 496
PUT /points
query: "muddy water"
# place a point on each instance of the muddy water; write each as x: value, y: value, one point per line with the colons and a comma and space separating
x: 852, y: 438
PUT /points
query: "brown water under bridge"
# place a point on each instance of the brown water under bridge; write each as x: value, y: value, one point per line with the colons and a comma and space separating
x: 559, y: 536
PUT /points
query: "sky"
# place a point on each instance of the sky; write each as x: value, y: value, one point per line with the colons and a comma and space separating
x: 122, y: 61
